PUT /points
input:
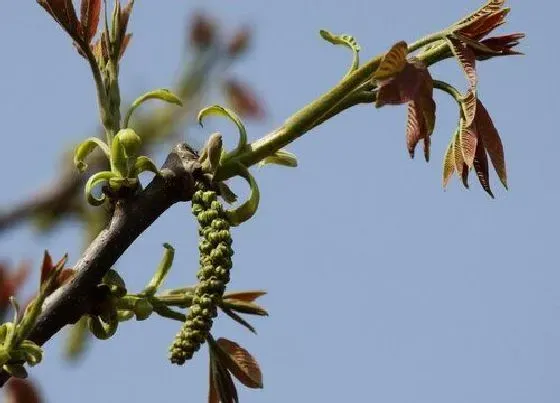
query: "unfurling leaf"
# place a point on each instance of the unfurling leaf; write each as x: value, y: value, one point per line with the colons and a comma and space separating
x: 161, y: 94
x: 501, y: 45
x: 346, y: 40
x: 393, y: 61
x: 466, y: 59
x: 473, y: 20
x: 480, y: 165
x: 89, y: 18
x: 86, y: 148
x: 492, y: 142
x: 245, y: 211
x: 221, y: 111
x: 241, y: 364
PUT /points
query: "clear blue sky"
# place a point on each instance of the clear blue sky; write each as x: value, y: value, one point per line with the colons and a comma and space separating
x: 382, y: 287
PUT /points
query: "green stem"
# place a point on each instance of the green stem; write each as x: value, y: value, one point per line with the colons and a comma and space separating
x: 448, y: 88
x: 426, y: 41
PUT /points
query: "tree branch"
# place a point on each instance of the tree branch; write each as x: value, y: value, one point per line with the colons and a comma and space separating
x: 130, y: 219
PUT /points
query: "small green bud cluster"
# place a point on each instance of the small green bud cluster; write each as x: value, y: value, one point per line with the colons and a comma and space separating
x: 215, y: 264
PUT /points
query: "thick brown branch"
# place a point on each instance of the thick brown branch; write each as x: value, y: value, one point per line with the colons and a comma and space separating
x: 131, y: 217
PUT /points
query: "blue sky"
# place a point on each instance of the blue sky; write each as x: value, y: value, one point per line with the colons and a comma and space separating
x: 382, y: 286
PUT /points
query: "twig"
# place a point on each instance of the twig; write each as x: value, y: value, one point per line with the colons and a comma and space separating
x: 130, y: 219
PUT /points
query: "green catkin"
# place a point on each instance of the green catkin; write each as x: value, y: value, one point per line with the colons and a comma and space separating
x: 213, y: 275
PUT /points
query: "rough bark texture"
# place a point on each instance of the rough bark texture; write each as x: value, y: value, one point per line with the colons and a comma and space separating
x: 130, y: 219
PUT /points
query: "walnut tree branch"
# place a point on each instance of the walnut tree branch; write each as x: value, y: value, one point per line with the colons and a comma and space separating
x: 131, y: 218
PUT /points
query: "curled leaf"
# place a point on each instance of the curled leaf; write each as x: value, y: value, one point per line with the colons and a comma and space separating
x: 393, y: 61
x: 246, y: 210
x: 346, y: 40
x: 86, y: 148
x: 161, y: 94
x: 221, y: 111
x: 144, y: 164
x: 93, y: 181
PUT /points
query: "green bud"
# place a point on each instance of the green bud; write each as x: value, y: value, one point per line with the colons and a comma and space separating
x: 143, y: 309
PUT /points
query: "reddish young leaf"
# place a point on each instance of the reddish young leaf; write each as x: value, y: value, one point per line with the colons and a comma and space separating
x: 246, y: 296
x: 240, y: 42
x: 478, y: 29
x: 124, y: 16
x: 480, y: 165
x: 491, y: 141
x: 448, y: 164
x: 241, y: 364
x: 202, y: 31
x: 468, y: 107
x: 458, y: 160
x: 89, y: 18
x: 11, y: 282
x: 64, y: 14
x: 468, y: 140
x: 405, y: 86
x: 490, y: 7
x: 243, y: 100
x: 466, y: 59
x: 465, y: 176
x: 46, y: 266
x: 502, y: 45
x: 124, y: 44
x: 21, y: 391
x: 212, y: 393
x: 224, y: 387
x: 393, y: 61
x: 415, y: 127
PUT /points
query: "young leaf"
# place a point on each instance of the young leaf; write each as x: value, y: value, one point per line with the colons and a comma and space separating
x: 393, y: 61
x: 492, y: 142
x: 490, y: 7
x: 448, y: 164
x: 458, y: 160
x: 245, y: 211
x: 480, y: 165
x: 246, y: 296
x: 280, y: 157
x: 161, y: 94
x: 415, y: 127
x: 465, y: 57
x: 221, y: 379
x: 239, y: 319
x: 346, y: 40
x: 89, y: 18
x: 468, y: 107
x: 241, y: 364
x: 221, y: 111
x: 162, y: 270
x: 468, y: 140
x: 85, y: 148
